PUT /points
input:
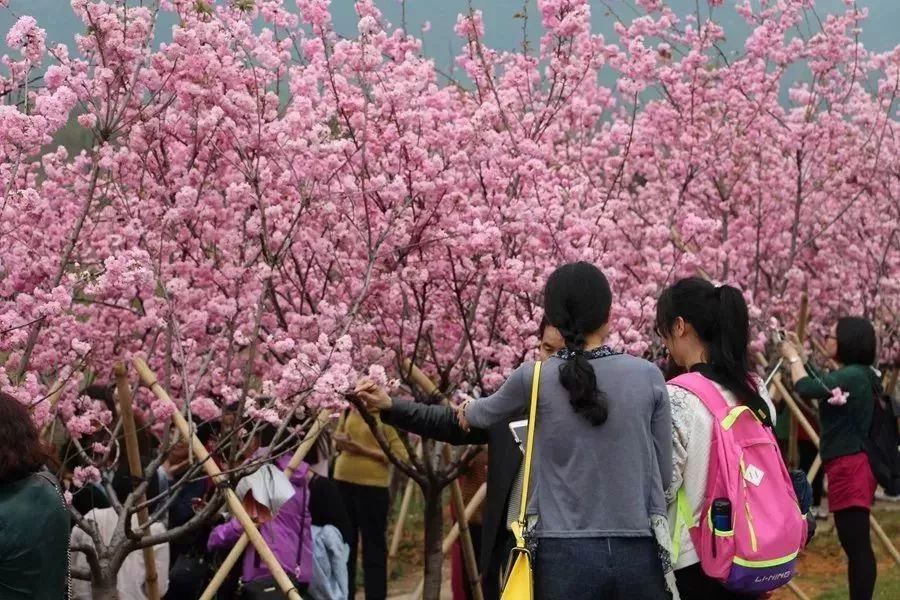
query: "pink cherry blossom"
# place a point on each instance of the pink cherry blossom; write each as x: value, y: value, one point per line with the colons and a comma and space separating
x: 205, y: 408
x: 838, y: 397
x: 26, y: 35
x: 82, y: 476
x: 267, y: 208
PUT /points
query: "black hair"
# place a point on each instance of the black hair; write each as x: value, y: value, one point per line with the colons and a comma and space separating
x: 21, y: 450
x: 543, y: 326
x: 672, y: 369
x: 320, y: 449
x: 856, y: 342
x: 105, y: 393
x: 266, y: 434
x: 206, y: 430
x: 721, y: 320
x: 123, y: 483
x: 577, y: 300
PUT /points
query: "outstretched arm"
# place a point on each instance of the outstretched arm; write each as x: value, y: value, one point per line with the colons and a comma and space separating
x: 436, y: 421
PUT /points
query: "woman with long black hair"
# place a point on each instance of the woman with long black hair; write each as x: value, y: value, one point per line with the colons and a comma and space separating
x: 706, y: 329
x: 846, y: 404
x: 602, y: 450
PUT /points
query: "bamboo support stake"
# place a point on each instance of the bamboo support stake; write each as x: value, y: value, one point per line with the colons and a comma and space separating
x: 795, y: 410
x: 885, y: 540
x: 212, y: 469
x: 891, y: 383
x: 469, y: 559
x: 473, y: 505
x: 451, y: 537
x: 401, y: 518
x: 797, y: 591
x: 404, y: 511
x: 793, y: 431
x: 238, y: 550
x: 814, y: 468
x: 459, y: 505
x: 134, y: 466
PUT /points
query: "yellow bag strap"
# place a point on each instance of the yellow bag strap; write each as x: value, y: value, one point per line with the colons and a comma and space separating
x: 519, y: 527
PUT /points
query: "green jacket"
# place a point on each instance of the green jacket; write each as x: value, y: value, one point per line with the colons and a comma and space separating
x: 34, y: 540
x: 843, y: 427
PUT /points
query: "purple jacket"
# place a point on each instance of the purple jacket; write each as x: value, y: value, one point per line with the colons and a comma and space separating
x: 289, y: 534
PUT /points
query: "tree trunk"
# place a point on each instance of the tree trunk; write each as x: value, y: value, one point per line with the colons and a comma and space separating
x: 105, y: 588
x: 434, y: 534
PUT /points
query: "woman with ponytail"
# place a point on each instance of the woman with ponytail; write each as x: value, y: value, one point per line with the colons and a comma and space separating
x: 706, y: 330
x: 602, y: 451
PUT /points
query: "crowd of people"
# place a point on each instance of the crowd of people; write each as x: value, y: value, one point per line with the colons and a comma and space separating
x: 620, y: 452
x: 311, y: 519
x: 632, y: 493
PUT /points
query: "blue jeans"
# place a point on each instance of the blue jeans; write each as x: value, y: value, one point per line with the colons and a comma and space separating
x: 612, y: 568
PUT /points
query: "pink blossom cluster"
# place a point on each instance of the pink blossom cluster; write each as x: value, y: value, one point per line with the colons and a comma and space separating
x: 266, y: 212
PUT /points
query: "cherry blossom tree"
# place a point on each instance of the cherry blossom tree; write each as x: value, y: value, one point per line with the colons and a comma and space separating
x: 267, y: 208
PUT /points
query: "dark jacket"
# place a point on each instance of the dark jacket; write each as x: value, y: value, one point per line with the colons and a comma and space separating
x: 34, y: 541
x: 844, y: 427
x: 504, y: 459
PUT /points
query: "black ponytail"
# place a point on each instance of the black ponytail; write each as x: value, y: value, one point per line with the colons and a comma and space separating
x: 577, y: 300
x: 721, y: 320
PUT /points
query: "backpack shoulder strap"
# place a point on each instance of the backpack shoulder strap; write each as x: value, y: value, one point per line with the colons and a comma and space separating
x: 706, y: 391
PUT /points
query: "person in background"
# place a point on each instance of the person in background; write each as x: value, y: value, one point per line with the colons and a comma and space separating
x: 602, y: 416
x: 807, y: 453
x: 706, y: 329
x: 189, y: 495
x: 191, y: 564
x: 287, y: 529
x: 34, y: 522
x: 326, y: 503
x: 469, y: 481
x: 362, y: 472
x: 504, y: 482
x: 132, y: 576
x: 330, y: 526
x: 846, y: 404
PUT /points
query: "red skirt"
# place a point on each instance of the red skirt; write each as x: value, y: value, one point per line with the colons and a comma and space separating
x: 851, y: 483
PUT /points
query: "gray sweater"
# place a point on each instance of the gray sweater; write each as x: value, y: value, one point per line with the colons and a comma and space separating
x: 603, y: 481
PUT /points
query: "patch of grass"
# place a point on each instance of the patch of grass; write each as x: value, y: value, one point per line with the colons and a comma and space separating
x: 823, y: 566
x: 887, y: 588
x: 409, y: 553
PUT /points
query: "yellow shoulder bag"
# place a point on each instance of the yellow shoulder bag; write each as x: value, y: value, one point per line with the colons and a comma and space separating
x: 519, y: 584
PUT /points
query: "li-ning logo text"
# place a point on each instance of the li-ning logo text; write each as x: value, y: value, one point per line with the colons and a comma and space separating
x: 775, y: 577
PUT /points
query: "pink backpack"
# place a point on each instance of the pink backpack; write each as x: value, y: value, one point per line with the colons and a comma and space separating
x: 758, y: 552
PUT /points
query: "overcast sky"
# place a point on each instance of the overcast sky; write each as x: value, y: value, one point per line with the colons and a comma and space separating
x: 880, y: 31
